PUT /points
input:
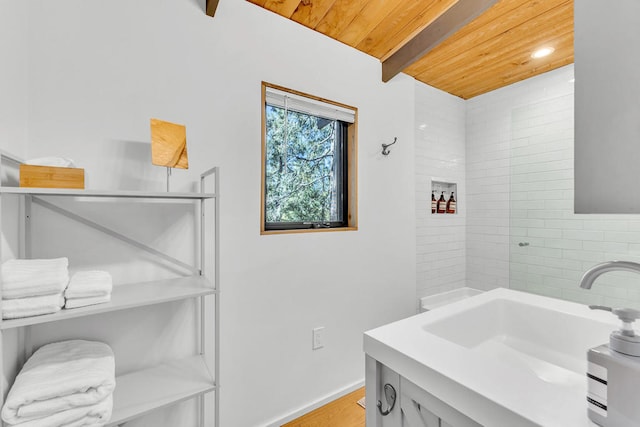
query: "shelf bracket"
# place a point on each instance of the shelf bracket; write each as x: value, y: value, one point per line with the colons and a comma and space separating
x: 24, y: 245
x: 115, y: 234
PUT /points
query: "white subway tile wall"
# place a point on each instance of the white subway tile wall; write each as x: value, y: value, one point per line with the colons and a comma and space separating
x: 488, y: 166
x: 520, y: 159
x: 440, y: 153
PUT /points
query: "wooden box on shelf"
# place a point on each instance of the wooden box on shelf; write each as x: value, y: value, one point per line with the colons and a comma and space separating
x: 51, y: 177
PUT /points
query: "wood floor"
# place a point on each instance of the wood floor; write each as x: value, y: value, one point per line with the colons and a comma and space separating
x: 343, y: 412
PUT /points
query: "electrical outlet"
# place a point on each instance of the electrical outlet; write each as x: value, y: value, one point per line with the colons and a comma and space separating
x: 318, y: 338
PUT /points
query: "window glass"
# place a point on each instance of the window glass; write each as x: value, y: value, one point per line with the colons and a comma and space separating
x: 303, y: 171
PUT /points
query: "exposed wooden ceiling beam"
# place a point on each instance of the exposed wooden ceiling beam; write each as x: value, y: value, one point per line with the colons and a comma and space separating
x: 456, y: 17
x: 212, y: 5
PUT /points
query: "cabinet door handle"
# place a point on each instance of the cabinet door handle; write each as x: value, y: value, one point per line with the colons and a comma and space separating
x: 390, y: 396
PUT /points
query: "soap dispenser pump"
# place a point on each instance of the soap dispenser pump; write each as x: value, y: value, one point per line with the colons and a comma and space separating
x: 625, y: 340
x: 613, y: 374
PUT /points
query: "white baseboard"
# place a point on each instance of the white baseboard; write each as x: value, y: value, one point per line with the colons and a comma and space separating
x: 315, y: 405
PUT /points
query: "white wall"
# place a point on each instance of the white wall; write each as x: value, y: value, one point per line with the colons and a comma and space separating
x: 607, y: 107
x: 99, y: 71
x: 440, y: 154
x: 13, y: 76
x: 13, y: 108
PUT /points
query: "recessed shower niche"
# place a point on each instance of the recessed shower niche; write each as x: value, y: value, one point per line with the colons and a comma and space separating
x: 444, y: 197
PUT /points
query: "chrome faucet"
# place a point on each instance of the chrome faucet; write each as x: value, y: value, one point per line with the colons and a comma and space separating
x: 594, y: 272
x: 625, y: 340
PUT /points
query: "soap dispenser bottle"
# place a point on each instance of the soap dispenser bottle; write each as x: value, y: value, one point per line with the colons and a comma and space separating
x: 613, y: 374
x: 442, y: 204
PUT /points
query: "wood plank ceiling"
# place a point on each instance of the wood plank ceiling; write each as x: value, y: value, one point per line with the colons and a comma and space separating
x: 492, y: 51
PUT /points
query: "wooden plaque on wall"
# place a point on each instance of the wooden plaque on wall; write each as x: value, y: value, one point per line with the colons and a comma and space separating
x: 169, y: 144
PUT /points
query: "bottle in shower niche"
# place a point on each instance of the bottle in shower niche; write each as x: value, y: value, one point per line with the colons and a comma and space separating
x: 434, y: 202
x: 442, y: 204
x: 451, y: 204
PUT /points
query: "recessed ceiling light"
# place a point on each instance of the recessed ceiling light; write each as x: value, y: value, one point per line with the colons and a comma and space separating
x: 544, y: 51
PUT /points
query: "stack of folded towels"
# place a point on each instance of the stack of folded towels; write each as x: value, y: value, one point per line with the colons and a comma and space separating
x: 88, y: 288
x: 68, y: 384
x: 31, y: 287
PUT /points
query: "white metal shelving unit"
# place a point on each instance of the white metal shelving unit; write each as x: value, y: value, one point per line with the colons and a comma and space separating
x: 140, y: 392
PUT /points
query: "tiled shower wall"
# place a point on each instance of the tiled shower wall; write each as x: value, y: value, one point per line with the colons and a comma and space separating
x: 487, y: 153
x: 439, y: 155
x: 520, y: 160
x: 489, y: 150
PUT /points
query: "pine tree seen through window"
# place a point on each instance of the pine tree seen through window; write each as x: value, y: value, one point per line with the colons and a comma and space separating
x: 306, y: 163
x: 304, y: 180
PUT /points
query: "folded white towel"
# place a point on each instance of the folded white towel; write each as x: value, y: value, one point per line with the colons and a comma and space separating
x: 85, y: 416
x: 89, y: 284
x: 32, y: 306
x: 59, y: 377
x: 83, y: 302
x: 60, y: 162
x: 33, y: 277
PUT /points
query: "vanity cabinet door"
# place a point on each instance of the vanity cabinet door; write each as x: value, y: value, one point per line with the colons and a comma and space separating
x: 415, y: 415
x: 607, y: 106
x: 422, y: 409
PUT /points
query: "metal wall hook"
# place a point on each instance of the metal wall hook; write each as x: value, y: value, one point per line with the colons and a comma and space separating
x: 386, y: 152
x: 390, y: 396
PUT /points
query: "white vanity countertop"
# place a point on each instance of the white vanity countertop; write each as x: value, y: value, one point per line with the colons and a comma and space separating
x: 478, y: 373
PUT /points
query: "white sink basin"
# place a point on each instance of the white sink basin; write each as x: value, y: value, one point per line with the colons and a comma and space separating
x: 549, y: 344
x: 502, y: 357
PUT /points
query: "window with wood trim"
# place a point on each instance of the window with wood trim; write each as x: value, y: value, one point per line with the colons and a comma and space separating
x: 309, y: 163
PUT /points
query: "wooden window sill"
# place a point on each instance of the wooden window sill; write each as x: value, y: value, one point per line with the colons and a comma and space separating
x: 307, y: 230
